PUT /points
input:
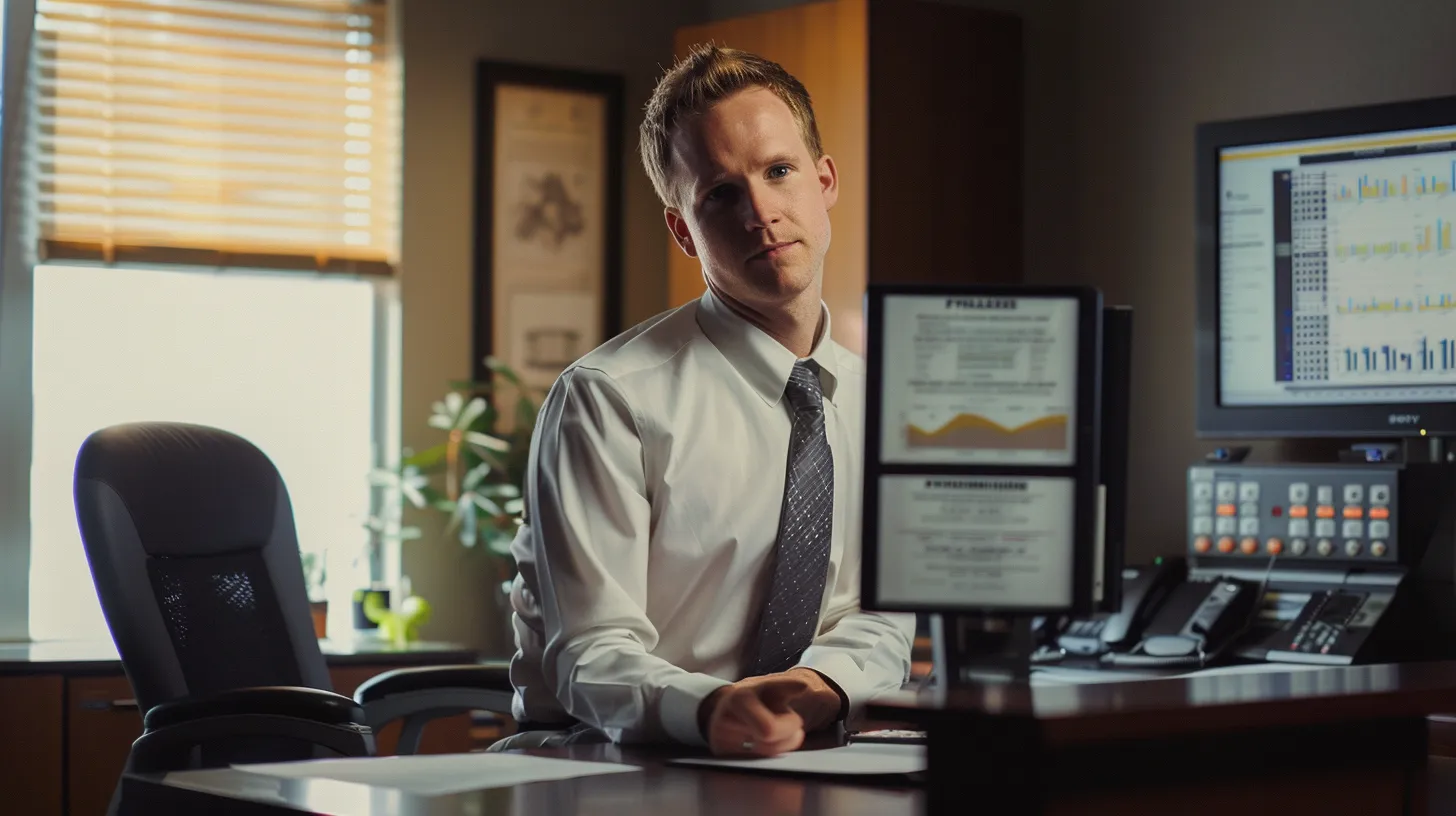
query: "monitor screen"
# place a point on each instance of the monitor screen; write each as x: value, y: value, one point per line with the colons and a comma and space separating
x: 1332, y: 282
x: 980, y: 477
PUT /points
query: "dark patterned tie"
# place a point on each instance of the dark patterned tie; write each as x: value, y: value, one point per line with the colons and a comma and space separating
x: 801, y: 559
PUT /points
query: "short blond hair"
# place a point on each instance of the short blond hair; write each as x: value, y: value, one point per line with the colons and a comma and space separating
x: 706, y: 76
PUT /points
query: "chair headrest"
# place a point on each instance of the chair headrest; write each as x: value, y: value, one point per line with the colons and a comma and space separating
x: 190, y: 490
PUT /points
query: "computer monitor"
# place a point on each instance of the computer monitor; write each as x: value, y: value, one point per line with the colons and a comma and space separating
x: 1326, y: 282
x: 981, y: 449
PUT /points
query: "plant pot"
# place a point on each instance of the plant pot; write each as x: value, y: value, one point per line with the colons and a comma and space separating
x: 320, y: 610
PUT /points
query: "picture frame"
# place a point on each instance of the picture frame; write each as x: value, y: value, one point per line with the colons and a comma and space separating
x: 548, y: 217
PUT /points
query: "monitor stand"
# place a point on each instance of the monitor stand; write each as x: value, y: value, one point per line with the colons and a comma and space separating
x: 981, y: 649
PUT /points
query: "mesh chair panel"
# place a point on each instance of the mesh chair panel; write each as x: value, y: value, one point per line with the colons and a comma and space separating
x: 225, y: 621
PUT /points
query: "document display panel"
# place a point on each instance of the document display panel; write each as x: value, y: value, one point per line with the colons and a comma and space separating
x: 979, y: 380
x: 981, y: 418
x: 1006, y: 542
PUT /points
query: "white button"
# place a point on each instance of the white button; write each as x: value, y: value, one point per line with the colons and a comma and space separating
x: 1248, y: 526
x: 1203, y: 525
x: 1353, y: 529
x: 1298, y: 546
x: 1249, y: 509
x: 1299, y: 493
x: 1352, y: 547
x: 1299, y: 527
x: 1226, y: 526
x: 1324, y: 494
x: 1379, y: 529
x: 1377, y: 548
x: 1380, y: 494
x: 1249, y: 491
x: 1324, y: 527
x: 1324, y: 547
x: 1203, y: 491
x: 1226, y: 491
x: 1354, y: 494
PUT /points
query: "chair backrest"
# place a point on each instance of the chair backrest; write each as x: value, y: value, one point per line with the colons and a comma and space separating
x: 190, y: 536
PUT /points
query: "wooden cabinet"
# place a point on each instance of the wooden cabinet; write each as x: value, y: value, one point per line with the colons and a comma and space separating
x: 104, y: 721
x: 920, y: 105
x: 31, y: 759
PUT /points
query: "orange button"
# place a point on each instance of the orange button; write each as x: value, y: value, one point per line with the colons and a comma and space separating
x: 1299, y: 511
x: 1275, y: 546
x: 1354, y: 512
x: 1226, y: 544
x: 1203, y: 544
x: 1379, y: 512
x: 1325, y: 511
x: 1227, y: 510
x: 1249, y: 545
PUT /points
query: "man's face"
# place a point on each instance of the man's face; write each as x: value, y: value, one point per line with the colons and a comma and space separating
x: 753, y: 204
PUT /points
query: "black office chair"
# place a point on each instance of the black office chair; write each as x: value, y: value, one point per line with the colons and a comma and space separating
x: 189, y: 532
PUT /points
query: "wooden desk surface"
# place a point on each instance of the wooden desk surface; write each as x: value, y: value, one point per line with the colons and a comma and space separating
x: 658, y: 789
x: 1212, y: 703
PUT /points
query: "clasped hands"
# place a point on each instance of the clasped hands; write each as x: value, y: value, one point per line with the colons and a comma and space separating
x: 768, y: 715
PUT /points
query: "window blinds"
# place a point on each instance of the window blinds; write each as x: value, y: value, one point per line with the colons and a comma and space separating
x: 216, y: 132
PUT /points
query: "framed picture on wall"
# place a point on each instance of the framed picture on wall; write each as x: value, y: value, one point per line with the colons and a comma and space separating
x: 548, y: 210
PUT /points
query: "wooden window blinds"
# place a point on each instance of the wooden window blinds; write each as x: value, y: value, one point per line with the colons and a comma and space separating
x: 242, y: 133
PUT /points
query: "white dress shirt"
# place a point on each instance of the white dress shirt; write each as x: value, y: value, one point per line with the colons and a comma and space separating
x: 654, y: 491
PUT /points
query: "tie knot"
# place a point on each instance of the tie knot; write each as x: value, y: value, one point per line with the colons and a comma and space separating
x: 804, y: 390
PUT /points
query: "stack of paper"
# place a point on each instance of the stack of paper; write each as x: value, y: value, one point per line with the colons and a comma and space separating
x: 855, y: 759
x: 439, y: 774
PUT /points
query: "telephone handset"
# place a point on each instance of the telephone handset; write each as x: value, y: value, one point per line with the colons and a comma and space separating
x: 1196, y: 622
x: 1143, y: 590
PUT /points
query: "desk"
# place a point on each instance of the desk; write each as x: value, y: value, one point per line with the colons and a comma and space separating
x: 1331, y: 740
x: 77, y: 716
x: 658, y: 789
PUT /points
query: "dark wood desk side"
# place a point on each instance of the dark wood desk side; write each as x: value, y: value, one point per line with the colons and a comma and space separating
x: 1338, y: 740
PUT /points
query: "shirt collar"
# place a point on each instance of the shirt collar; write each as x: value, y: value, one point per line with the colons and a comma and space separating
x: 761, y: 360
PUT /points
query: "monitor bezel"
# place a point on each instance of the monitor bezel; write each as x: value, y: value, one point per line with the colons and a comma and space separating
x: 1084, y: 471
x: 1212, y: 417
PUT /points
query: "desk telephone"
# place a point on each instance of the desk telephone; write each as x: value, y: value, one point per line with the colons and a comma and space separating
x: 1166, y: 619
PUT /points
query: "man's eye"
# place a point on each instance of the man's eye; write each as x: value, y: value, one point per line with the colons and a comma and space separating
x: 778, y: 171
x: 718, y: 193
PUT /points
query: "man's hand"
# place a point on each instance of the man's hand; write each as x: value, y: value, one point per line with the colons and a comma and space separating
x: 769, y: 715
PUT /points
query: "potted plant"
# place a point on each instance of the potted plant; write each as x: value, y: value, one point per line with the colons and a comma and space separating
x: 474, y: 475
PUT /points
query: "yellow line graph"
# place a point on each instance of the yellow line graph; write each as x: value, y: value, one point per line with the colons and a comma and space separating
x: 973, y: 431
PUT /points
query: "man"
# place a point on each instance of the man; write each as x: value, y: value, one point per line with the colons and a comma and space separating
x: 690, y: 567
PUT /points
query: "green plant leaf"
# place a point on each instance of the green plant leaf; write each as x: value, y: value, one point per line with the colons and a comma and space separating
x: 500, y: 490
x: 498, y: 366
x: 515, y: 506
x: 443, y: 422
x: 427, y: 458
x: 474, y: 476
x: 486, y: 441
x: 491, y: 508
x: 471, y: 412
x: 499, y: 542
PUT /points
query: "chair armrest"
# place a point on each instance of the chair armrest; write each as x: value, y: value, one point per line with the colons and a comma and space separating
x: 313, y: 704
x: 250, y: 724
x: 418, y: 695
x: 495, y: 676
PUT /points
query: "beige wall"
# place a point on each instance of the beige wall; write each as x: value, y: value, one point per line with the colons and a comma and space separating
x: 1146, y: 72
x: 442, y: 40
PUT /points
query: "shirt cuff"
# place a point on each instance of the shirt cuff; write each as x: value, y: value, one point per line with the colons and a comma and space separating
x: 680, y: 703
x: 844, y: 675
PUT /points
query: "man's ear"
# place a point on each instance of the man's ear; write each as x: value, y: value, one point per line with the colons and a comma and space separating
x: 678, y: 226
x: 828, y: 180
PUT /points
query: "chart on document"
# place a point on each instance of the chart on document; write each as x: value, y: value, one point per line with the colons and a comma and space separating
x: 979, y: 380
x: 1392, y: 284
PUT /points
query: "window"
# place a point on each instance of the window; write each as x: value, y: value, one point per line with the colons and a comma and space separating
x: 285, y: 361
x: 212, y: 200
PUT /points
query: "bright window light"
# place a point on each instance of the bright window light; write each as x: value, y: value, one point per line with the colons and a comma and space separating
x: 285, y: 361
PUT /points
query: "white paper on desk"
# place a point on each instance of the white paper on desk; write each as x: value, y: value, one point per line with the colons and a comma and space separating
x: 861, y: 758
x: 439, y: 774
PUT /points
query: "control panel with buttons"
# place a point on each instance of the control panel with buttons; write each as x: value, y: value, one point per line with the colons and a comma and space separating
x: 1318, y: 512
